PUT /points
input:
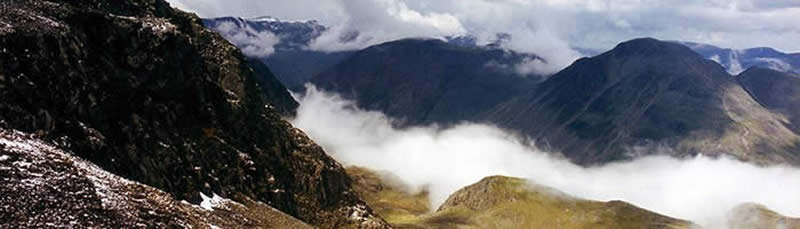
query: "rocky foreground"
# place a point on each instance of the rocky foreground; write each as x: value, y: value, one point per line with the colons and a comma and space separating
x: 45, y: 187
x: 145, y: 92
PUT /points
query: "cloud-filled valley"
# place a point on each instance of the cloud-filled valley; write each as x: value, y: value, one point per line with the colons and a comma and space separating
x: 700, y: 189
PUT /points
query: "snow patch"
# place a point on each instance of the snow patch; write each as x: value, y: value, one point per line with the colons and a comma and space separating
x: 734, y: 66
x: 14, y: 145
x: 265, y: 19
x: 776, y: 64
x: 209, y: 203
x: 4, y: 157
x: 716, y: 58
x: 159, y: 26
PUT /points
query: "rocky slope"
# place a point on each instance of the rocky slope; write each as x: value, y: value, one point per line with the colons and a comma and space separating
x: 427, y: 81
x: 777, y: 91
x: 648, y: 93
x: 44, y: 186
x: 146, y: 92
x: 501, y: 202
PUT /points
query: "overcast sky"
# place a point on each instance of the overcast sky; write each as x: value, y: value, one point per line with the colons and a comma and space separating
x: 537, y: 25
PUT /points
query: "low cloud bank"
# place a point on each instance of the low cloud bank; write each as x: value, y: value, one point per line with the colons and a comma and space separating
x: 699, y: 189
x: 252, y: 43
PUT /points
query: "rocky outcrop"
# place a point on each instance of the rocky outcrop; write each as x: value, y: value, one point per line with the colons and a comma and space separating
x: 44, y: 186
x: 146, y: 92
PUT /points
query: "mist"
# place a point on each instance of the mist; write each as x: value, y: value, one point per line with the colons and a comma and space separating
x: 252, y: 43
x: 443, y: 160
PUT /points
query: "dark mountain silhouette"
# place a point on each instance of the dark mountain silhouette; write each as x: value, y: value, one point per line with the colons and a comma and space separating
x: 428, y: 81
x: 646, y: 92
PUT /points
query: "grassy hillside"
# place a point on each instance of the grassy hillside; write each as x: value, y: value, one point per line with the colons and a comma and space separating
x: 501, y: 202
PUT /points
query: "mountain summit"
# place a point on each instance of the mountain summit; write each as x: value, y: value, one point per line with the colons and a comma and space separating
x: 648, y: 93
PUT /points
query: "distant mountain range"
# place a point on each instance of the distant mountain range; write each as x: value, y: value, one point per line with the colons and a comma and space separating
x: 643, y: 93
x: 737, y: 61
x: 295, y: 63
x: 291, y: 60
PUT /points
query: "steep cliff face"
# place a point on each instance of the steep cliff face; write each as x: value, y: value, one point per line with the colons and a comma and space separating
x: 145, y: 92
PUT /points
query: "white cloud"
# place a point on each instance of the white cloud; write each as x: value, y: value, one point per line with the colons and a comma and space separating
x: 251, y: 42
x: 699, y: 189
x: 546, y: 27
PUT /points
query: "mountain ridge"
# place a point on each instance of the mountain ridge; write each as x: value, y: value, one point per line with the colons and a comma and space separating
x: 425, y: 81
x: 646, y: 91
x: 737, y: 61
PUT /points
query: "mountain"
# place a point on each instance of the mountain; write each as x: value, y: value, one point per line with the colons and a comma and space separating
x: 423, y: 81
x: 647, y: 93
x: 501, y: 202
x: 281, y: 45
x: 147, y: 93
x: 777, y: 91
x: 286, y: 46
x: 736, y: 61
